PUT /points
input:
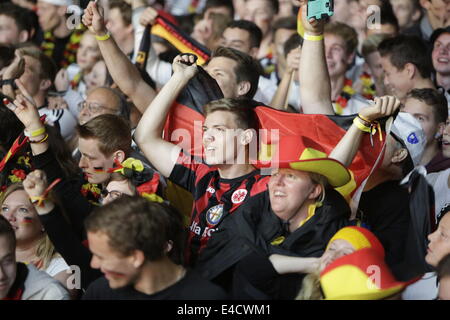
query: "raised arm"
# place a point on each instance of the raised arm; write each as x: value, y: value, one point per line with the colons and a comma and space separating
x: 287, y: 264
x: 27, y: 112
x: 44, y: 159
x: 281, y: 98
x: 122, y: 70
x: 315, y: 86
x: 347, y: 147
x: 148, y: 135
x: 66, y: 243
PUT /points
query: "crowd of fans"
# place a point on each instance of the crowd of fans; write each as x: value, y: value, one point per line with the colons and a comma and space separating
x: 99, y: 202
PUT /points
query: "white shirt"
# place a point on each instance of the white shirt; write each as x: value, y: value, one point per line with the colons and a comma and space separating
x: 439, y: 181
x: 64, y: 117
x: 57, y: 265
x: 266, y: 91
x: 424, y: 289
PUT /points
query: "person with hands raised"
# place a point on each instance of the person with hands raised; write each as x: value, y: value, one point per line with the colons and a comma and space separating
x: 227, y: 129
x: 35, y: 184
x: 296, y: 216
x: 315, y: 88
x: 66, y: 242
x: 122, y: 70
x: 102, y: 141
x: 148, y: 132
x: 27, y: 112
x: 390, y: 219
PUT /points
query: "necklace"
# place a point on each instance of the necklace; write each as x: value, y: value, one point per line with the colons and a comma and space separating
x: 70, y: 49
x: 368, y: 86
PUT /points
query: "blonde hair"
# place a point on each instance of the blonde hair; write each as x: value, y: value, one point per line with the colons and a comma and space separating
x: 45, y: 250
x: 317, y: 178
x: 310, y: 287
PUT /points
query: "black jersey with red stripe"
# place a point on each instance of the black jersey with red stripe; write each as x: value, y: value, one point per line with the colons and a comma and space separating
x: 214, y: 198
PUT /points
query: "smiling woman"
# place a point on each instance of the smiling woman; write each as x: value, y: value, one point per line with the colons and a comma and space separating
x: 32, y: 243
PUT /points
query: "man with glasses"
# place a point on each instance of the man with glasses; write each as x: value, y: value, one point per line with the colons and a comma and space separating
x: 101, y: 100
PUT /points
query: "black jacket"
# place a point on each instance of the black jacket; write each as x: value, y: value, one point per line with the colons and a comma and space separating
x: 255, y: 226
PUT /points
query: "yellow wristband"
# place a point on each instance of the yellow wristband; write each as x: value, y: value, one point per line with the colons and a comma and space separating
x: 40, y: 141
x: 362, y: 118
x: 38, y: 201
x: 311, y: 37
x: 361, y: 126
x: 104, y: 37
x: 35, y: 133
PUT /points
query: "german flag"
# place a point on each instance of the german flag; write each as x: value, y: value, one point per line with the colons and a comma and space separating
x: 144, y: 48
x: 327, y: 131
x: 183, y: 124
x: 184, y: 128
x: 179, y: 39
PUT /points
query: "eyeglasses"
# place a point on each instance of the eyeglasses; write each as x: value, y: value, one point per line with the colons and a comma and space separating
x: 94, y: 107
x: 114, y: 194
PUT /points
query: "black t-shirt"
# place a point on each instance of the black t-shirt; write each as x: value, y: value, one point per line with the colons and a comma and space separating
x: 191, y: 287
x: 385, y: 209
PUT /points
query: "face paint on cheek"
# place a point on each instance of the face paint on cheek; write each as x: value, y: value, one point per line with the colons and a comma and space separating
x: 27, y: 221
x: 99, y: 170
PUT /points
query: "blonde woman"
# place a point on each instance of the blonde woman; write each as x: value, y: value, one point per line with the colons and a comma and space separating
x: 346, y: 241
x: 88, y: 54
x: 33, y: 245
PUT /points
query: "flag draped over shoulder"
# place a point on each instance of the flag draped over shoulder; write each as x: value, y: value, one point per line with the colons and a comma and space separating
x: 184, y: 122
x: 325, y: 130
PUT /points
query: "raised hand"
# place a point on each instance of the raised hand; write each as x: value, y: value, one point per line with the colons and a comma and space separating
x: 148, y: 16
x: 26, y: 109
x: 185, y: 65
x: 35, y: 183
x: 93, y: 19
x: 312, y: 26
x: 16, y: 68
x: 382, y: 107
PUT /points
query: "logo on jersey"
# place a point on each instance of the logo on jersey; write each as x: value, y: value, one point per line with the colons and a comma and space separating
x: 239, y: 196
x: 214, y: 214
x: 211, y: 190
